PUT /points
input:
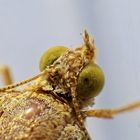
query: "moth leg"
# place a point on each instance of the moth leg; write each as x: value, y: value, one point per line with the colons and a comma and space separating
x: 6, y: 74
x: 110, y: 113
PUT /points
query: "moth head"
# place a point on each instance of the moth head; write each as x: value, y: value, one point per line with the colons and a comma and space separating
x: 90, y: 81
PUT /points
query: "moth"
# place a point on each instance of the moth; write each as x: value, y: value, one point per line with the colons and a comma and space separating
x: 53, y: 105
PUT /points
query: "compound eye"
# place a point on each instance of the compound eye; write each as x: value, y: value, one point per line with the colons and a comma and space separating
x: 90, y: 82
x: 51, y: 55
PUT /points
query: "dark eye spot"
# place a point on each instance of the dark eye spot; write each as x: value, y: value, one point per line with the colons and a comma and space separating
x: 86, y: 80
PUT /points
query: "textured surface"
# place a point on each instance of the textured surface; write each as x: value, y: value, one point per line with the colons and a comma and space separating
x: 28, y: 27
x: 36, y: 115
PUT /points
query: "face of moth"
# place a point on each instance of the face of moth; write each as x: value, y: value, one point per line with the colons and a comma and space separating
x: 90, y: 80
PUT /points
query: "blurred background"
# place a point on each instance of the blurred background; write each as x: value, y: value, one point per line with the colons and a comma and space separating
x: 29, y: 27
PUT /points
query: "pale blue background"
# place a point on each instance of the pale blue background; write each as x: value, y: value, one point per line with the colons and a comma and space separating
x: 28, y: 27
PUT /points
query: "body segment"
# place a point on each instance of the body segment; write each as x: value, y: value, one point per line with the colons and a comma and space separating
x: 37, y: 115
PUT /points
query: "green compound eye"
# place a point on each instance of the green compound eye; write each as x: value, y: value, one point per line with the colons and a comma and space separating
x: 90, y: 82
x: 51, y: 55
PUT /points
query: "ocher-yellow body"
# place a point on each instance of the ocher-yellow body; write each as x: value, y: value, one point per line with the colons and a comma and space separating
x: 37, y: 115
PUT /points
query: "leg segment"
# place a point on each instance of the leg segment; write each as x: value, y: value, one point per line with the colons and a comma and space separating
x: 109, y: 113
x: 5, y: 72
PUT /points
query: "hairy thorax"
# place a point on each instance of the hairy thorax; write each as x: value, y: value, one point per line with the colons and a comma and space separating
x: 37, y: 115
